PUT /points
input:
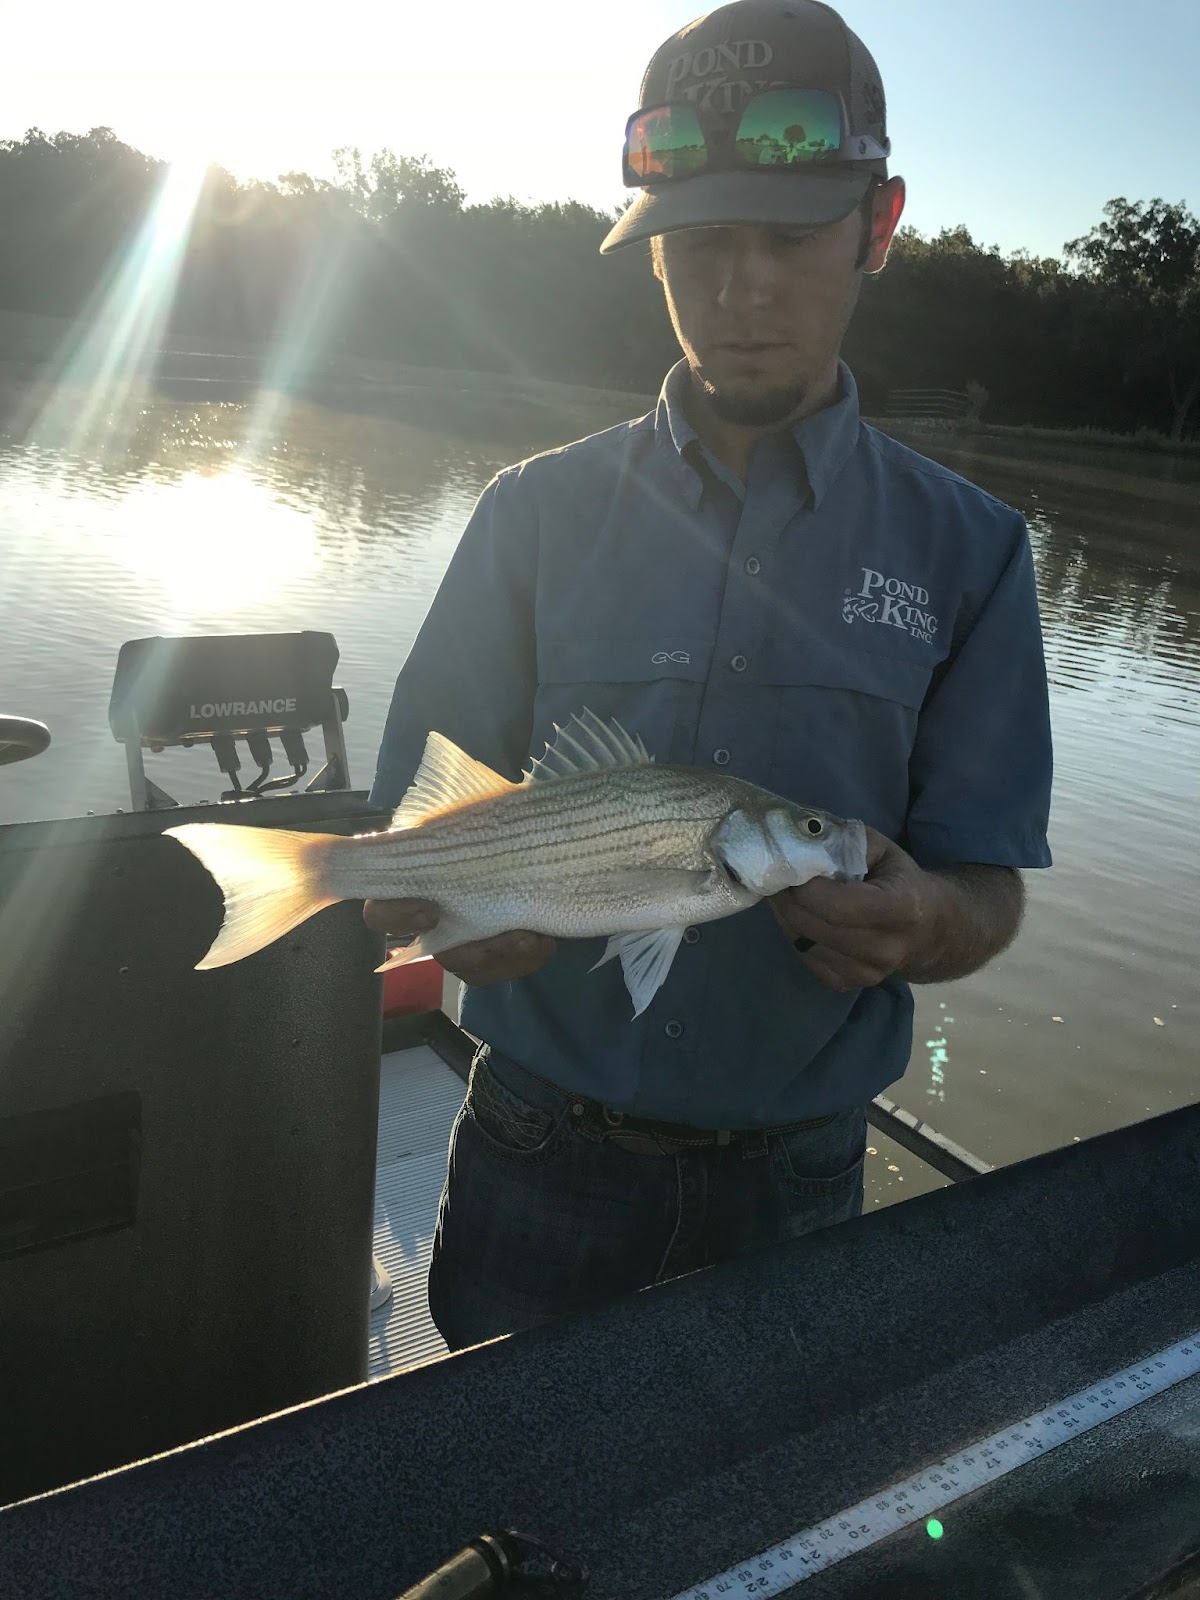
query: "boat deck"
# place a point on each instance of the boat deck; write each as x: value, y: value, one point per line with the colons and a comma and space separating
x: 678, y: 1441
x: 419, y: 1097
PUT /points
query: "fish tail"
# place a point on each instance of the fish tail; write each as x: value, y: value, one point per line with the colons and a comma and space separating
x: 272, y: 879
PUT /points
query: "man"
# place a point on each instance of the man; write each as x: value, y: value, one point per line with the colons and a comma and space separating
x: 752, y: 578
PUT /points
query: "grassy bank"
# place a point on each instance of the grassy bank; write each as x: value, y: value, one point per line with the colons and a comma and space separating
x: 1144, y: 439
x: 960, y: 435
x: 42, y: 345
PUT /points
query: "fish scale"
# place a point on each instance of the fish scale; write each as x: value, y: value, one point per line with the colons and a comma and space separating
x: 634, y: 814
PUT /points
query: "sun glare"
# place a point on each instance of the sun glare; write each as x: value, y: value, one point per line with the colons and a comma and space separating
x: 213, y: 545
x: 122, y: 328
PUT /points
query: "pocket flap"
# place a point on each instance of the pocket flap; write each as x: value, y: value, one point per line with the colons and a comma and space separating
x: 801, y: 661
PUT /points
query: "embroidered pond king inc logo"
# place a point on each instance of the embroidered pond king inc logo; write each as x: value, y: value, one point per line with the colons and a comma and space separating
x: 722, y: 77
x: 891, y: 601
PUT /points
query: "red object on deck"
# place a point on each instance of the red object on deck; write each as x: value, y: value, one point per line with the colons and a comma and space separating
x: 415, y: 987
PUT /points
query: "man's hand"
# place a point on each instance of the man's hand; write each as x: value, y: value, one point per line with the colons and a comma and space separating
x: 483, y: 961
x: 925, y: 926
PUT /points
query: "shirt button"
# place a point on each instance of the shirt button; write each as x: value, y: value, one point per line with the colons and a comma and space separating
x: 753, y: 566
x: 721, y: 757
x: 738, y: 663
x: 673, y: 1029
x: 691, y: 936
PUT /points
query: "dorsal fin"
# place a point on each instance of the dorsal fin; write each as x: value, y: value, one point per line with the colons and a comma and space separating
x: 587, y: 745
x: 446, y: 779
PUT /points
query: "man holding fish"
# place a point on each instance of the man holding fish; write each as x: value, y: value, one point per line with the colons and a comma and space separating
x: 750, y: 580
x: 806, y: 627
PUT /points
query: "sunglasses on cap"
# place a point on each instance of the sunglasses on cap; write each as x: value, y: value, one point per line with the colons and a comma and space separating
x: 779, y: 130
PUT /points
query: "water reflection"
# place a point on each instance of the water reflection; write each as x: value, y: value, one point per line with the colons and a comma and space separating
x: 1091, y: 1019
x: 344, y: 520
x: 193, y: 521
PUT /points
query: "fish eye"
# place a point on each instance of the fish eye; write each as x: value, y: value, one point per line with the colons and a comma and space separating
x: 814, y: 827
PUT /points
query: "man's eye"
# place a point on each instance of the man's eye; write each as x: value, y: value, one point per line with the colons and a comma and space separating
x: 699, y: 238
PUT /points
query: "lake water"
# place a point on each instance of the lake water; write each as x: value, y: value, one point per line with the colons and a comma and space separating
x: 232, y: 518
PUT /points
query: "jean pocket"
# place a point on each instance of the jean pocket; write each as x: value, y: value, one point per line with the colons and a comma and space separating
x: 823, y: 1161
x: 509, y: 1123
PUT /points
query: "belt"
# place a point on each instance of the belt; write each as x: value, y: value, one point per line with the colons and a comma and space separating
x: 644, y: 1135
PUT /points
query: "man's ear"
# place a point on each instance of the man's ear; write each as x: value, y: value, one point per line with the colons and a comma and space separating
x: 886, y: 209
x: 656, y: 256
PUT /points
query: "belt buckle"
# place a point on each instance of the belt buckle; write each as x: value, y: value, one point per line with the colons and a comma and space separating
x: 636, y: 1142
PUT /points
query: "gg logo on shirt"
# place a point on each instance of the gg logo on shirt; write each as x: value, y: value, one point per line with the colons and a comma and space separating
x: 891, y: 600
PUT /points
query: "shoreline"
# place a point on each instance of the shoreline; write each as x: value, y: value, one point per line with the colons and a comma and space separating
x: 32, y: 347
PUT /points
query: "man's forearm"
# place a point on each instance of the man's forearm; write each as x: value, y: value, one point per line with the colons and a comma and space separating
x: 975, y: 915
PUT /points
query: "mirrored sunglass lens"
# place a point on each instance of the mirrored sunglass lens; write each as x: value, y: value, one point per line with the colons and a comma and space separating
x: 666, y: 143
x: 788, y: 127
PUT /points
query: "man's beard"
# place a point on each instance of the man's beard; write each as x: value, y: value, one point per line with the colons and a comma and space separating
x: 759, y: 408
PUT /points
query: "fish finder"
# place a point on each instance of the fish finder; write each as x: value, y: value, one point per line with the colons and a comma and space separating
x: 223, y: 690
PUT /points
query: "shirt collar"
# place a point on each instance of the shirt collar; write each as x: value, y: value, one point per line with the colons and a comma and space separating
x: 824, y: 440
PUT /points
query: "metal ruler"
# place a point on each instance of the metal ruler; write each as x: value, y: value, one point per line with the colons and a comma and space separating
x: 774, y: 1571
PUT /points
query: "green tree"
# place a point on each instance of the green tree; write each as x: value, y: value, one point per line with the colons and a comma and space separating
x: 1147, y: 256
x: 387, y: 261
x: 390, y: 182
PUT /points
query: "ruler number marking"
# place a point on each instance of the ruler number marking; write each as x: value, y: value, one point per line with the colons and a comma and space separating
x: 773, y: 1571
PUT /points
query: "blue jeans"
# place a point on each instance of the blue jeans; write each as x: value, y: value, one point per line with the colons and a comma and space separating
x: 542, y: 1214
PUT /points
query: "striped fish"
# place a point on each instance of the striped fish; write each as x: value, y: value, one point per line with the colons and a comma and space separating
x: 597, y: 839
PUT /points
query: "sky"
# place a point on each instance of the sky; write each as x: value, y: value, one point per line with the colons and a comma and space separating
x: 1017, y: 120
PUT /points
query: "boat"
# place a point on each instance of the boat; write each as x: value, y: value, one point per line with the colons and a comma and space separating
x: 218, y: 1376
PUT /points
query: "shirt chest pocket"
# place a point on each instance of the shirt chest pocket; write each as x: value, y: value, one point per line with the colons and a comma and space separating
x: 845, y: 727
x: 651, y: 686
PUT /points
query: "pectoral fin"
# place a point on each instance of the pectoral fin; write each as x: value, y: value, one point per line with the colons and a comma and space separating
x: 645, y: 960
x: 403, y: 954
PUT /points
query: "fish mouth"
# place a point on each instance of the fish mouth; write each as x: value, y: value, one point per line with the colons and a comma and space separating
x: 850, y: 853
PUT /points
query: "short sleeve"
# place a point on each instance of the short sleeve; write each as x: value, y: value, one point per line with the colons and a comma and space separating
x: 981, y: 767
x: 472, y: 671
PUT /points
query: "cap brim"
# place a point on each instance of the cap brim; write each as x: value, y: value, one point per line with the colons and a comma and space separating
x: 725, y: 199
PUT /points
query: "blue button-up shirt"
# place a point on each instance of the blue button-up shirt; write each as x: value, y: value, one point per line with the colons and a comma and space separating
x: 855, y: 627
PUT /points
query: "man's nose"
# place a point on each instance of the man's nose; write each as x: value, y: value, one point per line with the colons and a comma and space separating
x: 747, y: 270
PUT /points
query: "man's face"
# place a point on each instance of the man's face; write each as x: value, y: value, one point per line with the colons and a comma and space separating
x: 760, y: 312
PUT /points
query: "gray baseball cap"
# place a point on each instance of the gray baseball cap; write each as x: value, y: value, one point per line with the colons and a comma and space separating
x: 716, y: 64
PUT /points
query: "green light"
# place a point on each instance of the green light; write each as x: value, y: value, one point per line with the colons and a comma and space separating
x: 934, y: 1528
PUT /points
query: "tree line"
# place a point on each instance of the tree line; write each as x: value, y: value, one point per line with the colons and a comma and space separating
x: 387, y: 260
